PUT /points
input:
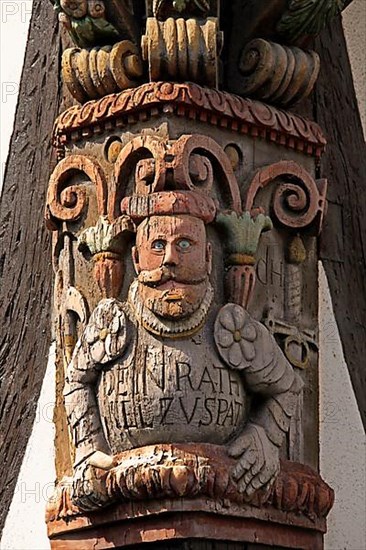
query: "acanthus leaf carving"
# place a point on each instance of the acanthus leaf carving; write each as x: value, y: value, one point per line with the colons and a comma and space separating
x: 106, y: 243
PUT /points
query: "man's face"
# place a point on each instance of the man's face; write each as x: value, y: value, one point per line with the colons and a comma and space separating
x: 173, y: 261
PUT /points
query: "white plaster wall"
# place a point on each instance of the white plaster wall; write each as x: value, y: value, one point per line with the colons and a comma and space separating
x: 342, y: 438
x: 354, y: 24
x: 25, y: 527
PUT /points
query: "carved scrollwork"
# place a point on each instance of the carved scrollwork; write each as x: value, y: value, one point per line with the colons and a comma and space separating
x: 90, y: 74
x: 278, y: 74
x: 147, y: 156
x: 299, y: 202
x: 195, y: 152
x: 182, y: 49
x: 66, y: 201
x: 192, y: 161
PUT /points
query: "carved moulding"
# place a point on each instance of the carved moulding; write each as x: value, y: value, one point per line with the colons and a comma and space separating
x: 220, y: 109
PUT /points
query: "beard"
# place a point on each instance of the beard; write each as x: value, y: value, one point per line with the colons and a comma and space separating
x: 170, y: 296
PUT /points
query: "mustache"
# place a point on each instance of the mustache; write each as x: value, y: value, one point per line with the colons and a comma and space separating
x: 161, y: 275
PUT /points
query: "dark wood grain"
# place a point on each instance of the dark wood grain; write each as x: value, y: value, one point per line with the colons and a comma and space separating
x: 343, y: 241
x: 25, y: 251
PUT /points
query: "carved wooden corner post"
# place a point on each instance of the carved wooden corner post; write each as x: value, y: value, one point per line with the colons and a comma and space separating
x: 185, y: 223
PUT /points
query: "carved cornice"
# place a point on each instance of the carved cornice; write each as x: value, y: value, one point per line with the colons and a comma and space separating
x: 196, y: 103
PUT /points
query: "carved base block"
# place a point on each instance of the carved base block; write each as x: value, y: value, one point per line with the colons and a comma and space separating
x: 165, y: 523
x: 173, y: 492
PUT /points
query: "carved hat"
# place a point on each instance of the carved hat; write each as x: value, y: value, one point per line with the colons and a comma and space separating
x: 170, y: 203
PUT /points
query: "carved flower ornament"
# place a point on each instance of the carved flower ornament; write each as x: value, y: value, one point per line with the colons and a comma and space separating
x: 235, y: 335
x: 105, y: 335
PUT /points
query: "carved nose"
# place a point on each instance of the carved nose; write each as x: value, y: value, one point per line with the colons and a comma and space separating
x: 171, y: 256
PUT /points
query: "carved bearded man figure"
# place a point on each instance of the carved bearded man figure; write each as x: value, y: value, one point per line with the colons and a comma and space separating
x: 169, y: 365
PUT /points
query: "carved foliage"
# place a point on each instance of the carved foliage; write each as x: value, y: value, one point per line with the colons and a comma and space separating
x: 97, y: 22
x: 305, y: 18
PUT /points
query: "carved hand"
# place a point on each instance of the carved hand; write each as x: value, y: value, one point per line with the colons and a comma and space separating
x: 88, y: 491
x: 258, y: 460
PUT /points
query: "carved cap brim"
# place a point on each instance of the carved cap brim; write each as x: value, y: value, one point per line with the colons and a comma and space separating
x: 168, y: 203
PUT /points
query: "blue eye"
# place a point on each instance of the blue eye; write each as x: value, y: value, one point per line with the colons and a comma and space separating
x: 158, y: 245
x: 184, y: 244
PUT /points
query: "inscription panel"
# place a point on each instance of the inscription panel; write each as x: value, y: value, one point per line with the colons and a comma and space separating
x: 162, y: 394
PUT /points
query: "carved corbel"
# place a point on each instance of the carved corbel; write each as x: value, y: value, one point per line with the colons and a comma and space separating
x: 269, y: 39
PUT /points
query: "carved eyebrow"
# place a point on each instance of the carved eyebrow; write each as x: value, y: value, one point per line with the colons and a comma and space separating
x: 157, y: 238
x: 188, y: 238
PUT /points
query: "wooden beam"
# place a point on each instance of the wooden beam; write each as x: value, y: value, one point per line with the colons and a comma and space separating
x: 343, y: 241
x: 25, y: 252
